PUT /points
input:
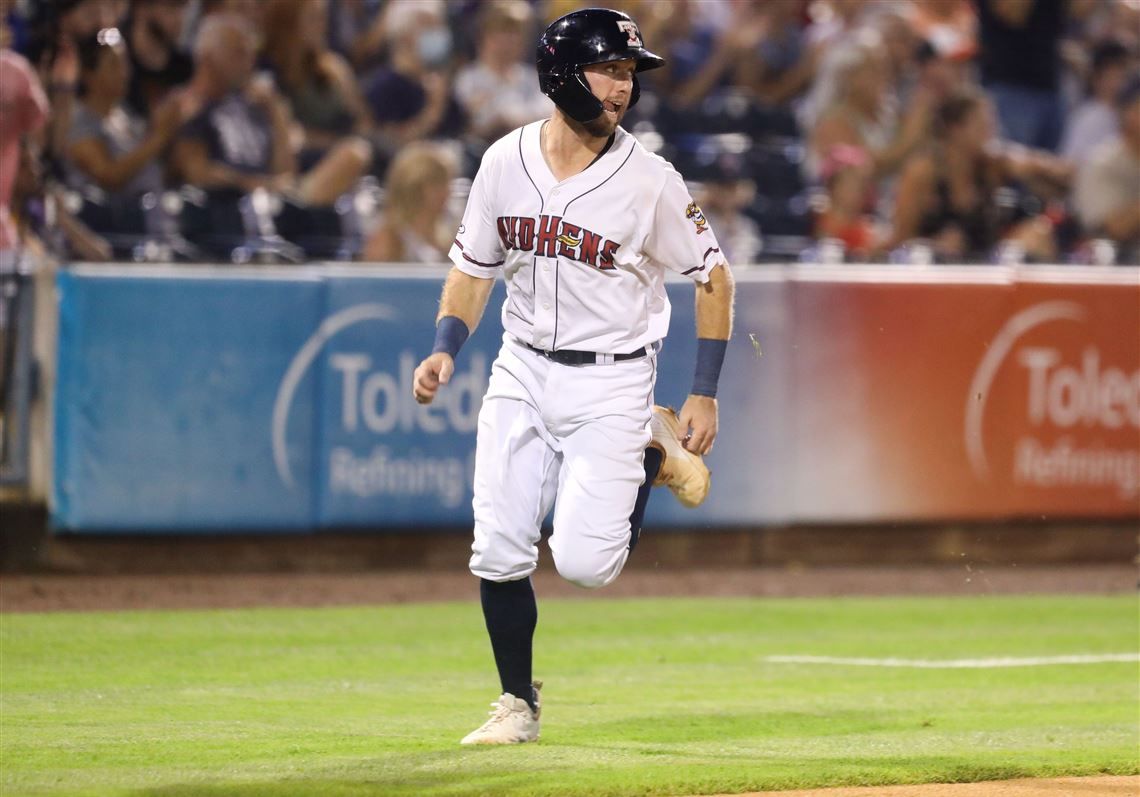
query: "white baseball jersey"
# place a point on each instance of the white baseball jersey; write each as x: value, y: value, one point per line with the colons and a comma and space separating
x: 584, y: 259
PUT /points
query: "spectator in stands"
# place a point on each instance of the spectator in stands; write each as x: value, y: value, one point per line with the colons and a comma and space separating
x: 1020, y: 64
x: 319, y: 83
x: 24, y: 109
x: 951, y: 27
x: 701, y: 59
x: 415, y: 227
x: 411, y: 97
x: 498, y: 90
x: 1094, y: 120
x: 239, y: 140
x: 786, y: 64
x: 726, y: 194
x: 153, y: 31
x: 848, y: 215
x: 1107, y: 195
x: 862, y: 113
x: 109, y: 147
x: 946, y: 191
x: 55, y: 29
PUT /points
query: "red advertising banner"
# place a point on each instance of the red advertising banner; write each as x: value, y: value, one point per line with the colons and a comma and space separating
x: 966, y: 393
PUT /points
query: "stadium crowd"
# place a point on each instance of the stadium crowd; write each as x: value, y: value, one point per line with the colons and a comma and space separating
x: 921, y: 131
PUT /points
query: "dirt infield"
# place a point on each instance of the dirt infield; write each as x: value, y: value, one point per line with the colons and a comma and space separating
x: 1052, y: 787
x: 53, y: 592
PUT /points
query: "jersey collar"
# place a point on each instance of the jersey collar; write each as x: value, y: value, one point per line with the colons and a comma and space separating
x: 596, y: 172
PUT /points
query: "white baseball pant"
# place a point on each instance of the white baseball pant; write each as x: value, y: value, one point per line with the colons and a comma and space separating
x: 571, y: 437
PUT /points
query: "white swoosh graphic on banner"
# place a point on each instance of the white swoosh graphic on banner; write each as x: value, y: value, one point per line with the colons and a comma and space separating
x: 987, y: 369
x: 301, y: 362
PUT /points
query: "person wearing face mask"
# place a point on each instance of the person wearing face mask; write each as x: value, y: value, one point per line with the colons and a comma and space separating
x: 411, y: 97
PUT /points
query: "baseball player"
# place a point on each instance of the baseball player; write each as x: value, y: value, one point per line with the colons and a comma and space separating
x: 582, y: 223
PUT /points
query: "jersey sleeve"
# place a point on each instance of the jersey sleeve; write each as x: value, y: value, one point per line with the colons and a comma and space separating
x: 478, y: 249
x: 681, y: 238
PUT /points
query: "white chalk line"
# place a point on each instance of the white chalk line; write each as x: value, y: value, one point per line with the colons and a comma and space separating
x: 959, y: 664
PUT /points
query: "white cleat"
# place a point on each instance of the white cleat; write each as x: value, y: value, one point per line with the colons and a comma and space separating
x: 511, y: 722
x: 682, y: 471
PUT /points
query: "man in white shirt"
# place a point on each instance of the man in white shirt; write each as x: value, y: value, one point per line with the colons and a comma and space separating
x: 498, y: 90
x: 1107, y: 191
x: 583, y: 223
x: 1094, y: 121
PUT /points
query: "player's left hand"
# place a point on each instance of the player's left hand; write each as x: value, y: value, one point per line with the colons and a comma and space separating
x: 699, y: 418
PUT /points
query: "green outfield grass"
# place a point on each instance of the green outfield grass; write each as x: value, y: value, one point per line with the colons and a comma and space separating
x: 642, y: 697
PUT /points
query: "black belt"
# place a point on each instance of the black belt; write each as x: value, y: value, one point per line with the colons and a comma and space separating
x: 572, y: 357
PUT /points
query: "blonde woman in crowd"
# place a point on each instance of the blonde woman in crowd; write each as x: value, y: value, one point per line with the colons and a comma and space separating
x: 415, y: 227
x: 860, y: 112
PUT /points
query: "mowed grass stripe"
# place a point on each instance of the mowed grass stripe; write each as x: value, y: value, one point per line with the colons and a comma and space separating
x: 643, y: 697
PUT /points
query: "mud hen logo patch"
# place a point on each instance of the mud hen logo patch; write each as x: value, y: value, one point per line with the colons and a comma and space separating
x: 694, y: 214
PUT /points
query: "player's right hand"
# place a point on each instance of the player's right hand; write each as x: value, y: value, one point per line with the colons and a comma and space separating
x: 434, y: 371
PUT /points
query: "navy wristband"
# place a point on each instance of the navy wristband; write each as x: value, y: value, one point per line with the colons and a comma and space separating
x: 450, y: 335
x: 710, y: 357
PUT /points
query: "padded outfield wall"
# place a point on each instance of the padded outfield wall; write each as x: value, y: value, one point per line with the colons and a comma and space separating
x: 219, y: 399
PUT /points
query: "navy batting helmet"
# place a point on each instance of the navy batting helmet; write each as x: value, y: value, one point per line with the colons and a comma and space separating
x: 581, y: 38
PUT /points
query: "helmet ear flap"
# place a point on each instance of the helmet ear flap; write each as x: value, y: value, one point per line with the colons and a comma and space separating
x: 573, y: 95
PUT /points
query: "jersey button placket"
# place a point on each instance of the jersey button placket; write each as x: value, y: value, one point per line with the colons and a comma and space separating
x: 544, y: 315
x: 546, y: 290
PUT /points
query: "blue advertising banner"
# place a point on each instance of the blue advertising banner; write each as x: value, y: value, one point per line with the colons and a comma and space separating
x: 384, y: 459
x: 166, y: 383
x: 223, y: 399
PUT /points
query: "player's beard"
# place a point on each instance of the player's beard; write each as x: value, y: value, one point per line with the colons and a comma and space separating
x: 603, y: 125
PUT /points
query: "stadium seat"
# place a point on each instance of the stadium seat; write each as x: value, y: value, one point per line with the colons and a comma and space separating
x: 233, y: 228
